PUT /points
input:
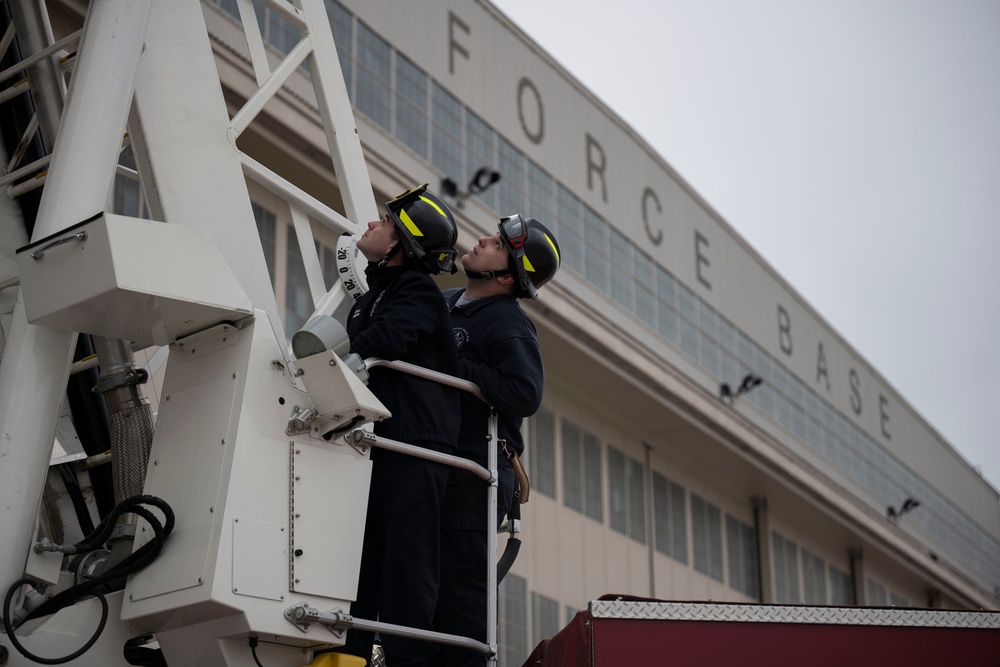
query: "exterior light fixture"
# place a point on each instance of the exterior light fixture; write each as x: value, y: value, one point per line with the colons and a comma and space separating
x: 892, y: 514
x: 481, y: 181
x: 728, y: 394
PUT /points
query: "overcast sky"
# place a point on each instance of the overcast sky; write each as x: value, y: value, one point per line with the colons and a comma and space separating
x: 854, y: 143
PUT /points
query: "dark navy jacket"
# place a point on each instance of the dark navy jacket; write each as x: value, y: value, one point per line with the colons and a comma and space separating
x: 498, y: 350
x: 403, y: 317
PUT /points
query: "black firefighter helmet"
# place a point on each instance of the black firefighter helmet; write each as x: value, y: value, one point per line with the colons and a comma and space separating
x: 426, y: 228
x: 534, y: 252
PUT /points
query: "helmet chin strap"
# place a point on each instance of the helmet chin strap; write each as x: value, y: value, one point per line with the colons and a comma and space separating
x: 487, y: 275
x: 389, y: 255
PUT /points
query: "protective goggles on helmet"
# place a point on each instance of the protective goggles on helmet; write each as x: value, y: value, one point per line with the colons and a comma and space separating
x: 514, y: 232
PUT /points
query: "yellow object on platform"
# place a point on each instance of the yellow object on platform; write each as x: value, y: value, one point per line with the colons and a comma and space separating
x: 337, y: 660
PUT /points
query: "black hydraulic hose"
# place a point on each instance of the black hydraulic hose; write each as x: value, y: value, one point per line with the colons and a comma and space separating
x: 72, y: 483
x: 9, y: 628
x: 99, y: 585
x: 90, y: 417
x: 134, y: 562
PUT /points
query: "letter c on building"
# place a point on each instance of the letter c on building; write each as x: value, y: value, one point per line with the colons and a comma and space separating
x: 648, y: 194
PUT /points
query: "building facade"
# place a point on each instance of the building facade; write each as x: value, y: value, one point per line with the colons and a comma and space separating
x: 705, y: 433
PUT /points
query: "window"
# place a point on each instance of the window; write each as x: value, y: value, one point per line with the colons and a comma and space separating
x: 710, y: 355
x: 876, y: 594
x: 329, y: 263
x: 622, y: 278
x: 544, y: 618
x: 625, y: 495
x: 298, y: 298
x: 542, y: 453
x: 510, y: 190
x: 572, y: 461
x: 513, y: 620
x: 635, y: 476
x: 669, y: 511
x: 813, y: 579
x: 786, y: 569
x: 278, y: 31
x: 411, y: 105
x: 581, y: 471
x: 706, y: 533
x: 479, y: 152
x: 595, y: 249
x: 542, y: 198
x: 897, y: 600
x: 645, y: 300
x: 373, y: 76
x: 741, y: 547
x: 126, y: 198
x: 593, y: 478
x: 446, y: 149
x: 841, y: 590
x: 341, y: 22
x: 569, y: 229
x: 266, y: 229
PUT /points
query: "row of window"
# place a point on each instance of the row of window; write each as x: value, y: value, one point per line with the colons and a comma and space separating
x: 722, y: 546
x: 583, y: 460
x: 396, y: 94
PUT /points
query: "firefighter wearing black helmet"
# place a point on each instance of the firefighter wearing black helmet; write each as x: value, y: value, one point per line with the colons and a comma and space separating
x: 498, y: 350
x: 403, y: 317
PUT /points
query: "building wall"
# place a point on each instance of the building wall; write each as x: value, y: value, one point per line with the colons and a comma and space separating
x: 511, y: 84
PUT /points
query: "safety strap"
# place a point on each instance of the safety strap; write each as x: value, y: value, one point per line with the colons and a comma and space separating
x: 520, y: 474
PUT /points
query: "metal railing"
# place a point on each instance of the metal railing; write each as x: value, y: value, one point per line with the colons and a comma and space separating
x: 303, y: 615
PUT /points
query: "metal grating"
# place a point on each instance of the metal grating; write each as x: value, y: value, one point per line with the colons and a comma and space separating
x: 695, y: 611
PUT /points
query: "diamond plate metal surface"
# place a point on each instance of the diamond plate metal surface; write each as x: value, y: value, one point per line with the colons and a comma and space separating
x: 746, y: 613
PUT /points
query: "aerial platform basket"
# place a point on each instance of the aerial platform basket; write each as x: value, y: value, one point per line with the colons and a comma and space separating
x: 132, y: 279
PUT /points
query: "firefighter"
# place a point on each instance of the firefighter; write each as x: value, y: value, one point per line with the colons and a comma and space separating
x: 403, y: 317
x: 498, y: 350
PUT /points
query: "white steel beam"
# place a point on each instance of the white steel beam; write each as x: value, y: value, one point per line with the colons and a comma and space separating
x: 181, y: 137
x: 36, y: 360
x: 341, y: 132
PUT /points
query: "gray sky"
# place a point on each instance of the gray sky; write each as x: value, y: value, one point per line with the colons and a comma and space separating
x: 854, y: 143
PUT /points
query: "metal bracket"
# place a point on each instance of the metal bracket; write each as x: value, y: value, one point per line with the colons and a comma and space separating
x: 303, y: 616
x: 297, y: 616
x: 300, y: 420
x: 121, y: 378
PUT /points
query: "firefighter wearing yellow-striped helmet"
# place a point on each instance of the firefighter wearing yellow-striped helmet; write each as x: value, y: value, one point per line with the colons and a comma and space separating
x: 534, y: 253
x: 426, y: 229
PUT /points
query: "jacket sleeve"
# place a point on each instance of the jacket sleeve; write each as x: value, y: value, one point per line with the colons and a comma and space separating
x: 411, y: 311
x: 512, y: 378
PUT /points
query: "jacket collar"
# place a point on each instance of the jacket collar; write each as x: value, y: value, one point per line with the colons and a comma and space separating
x: 471, y: 308
x: 382, y: 275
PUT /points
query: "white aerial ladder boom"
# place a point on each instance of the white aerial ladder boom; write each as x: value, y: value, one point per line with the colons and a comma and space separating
x: 263, y: 512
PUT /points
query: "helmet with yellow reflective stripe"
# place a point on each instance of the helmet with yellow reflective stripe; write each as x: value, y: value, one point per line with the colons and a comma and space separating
x: 533, y: 250
x: 426, y: 227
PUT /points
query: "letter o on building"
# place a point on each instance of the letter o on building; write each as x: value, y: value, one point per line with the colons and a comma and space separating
x: 539, y: 134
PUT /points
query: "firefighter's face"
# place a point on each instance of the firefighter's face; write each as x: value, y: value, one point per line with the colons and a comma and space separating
x: 378, y: 239
x: 489, y: 254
